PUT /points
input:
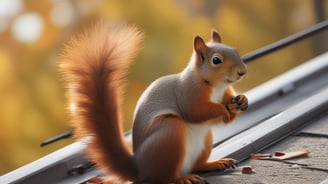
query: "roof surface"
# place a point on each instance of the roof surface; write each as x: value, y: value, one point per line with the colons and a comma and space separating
x: 313, y: 138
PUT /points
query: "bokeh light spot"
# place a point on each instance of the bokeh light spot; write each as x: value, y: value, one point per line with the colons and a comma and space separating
x: 27, y: 27
x: 62, y: 13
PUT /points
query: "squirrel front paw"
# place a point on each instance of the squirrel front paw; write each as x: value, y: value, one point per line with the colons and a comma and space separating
x: 238, y: 103
x: 226, y: 116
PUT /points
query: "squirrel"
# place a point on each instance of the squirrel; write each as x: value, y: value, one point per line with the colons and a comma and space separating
x: 171, y: 135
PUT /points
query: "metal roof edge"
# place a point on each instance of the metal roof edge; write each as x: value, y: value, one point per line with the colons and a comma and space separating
x: 276, y: 84
x: 273, y: 129
x: 38, y: 166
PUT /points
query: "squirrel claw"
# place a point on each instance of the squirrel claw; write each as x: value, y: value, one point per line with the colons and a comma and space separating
x: 238, y: 103
x: 222, y: 164
x: 190, y: 179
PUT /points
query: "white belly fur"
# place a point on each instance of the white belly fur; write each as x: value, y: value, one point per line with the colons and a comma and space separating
x: 196, y: 134
x: 217, y: 93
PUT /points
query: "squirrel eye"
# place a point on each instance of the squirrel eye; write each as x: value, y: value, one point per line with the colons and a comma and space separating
x: 216, y: 60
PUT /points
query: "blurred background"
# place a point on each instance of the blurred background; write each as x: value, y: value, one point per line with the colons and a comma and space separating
x: 32, y: 35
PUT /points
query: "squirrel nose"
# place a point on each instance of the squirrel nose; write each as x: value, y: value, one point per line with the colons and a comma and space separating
x: 241, y: 72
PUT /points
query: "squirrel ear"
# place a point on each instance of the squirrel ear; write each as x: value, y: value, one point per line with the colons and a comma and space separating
x: 215, y: 36
x: 199, y: 44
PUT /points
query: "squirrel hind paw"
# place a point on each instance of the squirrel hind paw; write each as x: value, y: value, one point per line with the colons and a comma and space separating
x: 190, y: 179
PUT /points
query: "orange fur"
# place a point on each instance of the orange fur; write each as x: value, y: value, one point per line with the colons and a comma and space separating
x: 228, y: 95
x: 160, y: 156
x: 93, y: 66
x: 200, y: 108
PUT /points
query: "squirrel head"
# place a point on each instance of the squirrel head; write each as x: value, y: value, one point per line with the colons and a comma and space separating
x: 216, y: 62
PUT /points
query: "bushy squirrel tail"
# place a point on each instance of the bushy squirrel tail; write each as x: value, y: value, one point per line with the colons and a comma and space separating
x: 93, y: 66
